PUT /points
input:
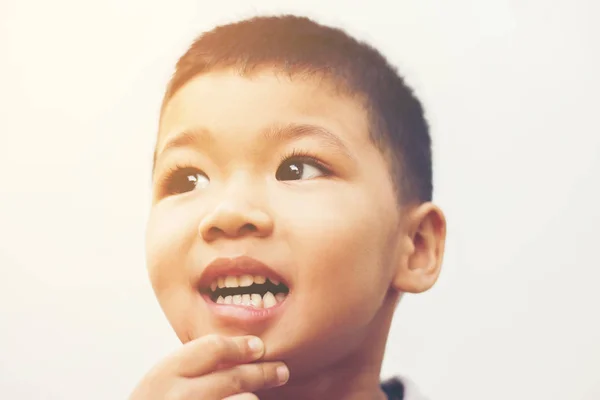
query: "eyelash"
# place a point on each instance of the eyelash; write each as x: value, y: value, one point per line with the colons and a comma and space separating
x: 308, y: 158
x: 176, y: 169
x: 300, y: 155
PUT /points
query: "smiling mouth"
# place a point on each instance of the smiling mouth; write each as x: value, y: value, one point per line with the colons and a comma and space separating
x: 247, y: 290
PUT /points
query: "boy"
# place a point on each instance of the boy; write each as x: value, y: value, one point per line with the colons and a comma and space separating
x: 291, y: 210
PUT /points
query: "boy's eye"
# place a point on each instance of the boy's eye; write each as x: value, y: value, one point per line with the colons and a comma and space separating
x: 185, y: 180
x: 295, y: 169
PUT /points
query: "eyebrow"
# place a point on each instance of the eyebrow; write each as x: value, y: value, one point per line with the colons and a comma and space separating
x: 201, y: 137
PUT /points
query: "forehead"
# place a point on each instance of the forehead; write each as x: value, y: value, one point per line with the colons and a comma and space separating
x: 224, y: 102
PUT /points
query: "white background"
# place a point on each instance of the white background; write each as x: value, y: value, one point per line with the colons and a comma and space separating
x: 512, y: 92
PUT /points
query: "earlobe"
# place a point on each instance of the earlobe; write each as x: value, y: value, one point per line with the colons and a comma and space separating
x: 421, y: 249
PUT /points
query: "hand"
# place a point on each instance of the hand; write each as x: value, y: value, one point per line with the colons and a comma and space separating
x: 212, y: 368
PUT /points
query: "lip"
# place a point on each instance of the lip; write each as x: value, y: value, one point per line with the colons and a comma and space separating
x: 237, y: 266
x: 240, y: 314
x: 244, y: 315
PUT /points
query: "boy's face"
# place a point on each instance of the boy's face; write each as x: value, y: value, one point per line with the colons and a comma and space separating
x: 329, y: 227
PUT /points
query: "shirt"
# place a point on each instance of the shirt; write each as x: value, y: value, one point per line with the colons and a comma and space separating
x: 400, y: 388
x: 394, y: 389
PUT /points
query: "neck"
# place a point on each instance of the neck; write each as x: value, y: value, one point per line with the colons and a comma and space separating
x: 354, y: 377
x: 347, y: 380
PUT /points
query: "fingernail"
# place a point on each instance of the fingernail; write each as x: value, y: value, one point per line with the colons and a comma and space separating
x: 283, y: 373
x: 255, y: 344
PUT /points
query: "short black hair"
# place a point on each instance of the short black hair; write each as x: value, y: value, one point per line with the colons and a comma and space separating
x: 300, y: 46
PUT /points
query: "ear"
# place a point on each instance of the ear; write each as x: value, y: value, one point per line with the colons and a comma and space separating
x: 421, y: 249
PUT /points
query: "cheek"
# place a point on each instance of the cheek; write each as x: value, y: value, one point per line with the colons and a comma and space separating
x: 336, y: 223
x: 169, y: 234
x: 339, y: 245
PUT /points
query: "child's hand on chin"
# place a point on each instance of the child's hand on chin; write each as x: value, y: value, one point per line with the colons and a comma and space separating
x: 194, y: 372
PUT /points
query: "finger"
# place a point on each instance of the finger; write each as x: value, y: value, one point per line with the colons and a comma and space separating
x: 243, y: 396
x: 205, y: 354
x: 240, y: 379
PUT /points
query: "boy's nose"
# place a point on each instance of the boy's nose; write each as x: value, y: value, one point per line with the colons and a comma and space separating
x: 234, y: 219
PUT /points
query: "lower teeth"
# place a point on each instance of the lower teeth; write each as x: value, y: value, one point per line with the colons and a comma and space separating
x: 254, y: 300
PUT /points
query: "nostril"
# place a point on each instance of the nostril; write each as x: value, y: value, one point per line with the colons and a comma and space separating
x: 215, y: 231
x: 248, y: 228
x: 229, y: 222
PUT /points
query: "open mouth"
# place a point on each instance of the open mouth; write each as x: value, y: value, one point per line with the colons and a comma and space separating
x: 247, y: 290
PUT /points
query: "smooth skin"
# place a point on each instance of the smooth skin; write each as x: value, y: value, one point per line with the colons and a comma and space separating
x: 196, y: 371
x: 338, y: 234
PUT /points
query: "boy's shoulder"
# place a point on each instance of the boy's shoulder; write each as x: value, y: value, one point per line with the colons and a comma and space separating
x: 401, y: 388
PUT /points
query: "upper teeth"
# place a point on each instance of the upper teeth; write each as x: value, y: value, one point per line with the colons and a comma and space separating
x: 239, y: 281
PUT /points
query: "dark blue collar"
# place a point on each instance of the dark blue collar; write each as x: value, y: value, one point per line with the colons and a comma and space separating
x: 393, y: 388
